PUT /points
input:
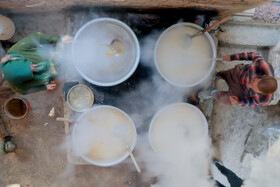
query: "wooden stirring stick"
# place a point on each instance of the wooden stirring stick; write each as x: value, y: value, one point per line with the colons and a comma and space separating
x: 132, y: 158
x: 64, y: 119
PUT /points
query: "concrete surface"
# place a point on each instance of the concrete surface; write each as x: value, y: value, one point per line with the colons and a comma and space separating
x: 231, y: 125
x: 253, y: 35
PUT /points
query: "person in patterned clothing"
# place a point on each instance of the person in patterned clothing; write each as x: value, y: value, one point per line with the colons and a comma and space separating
x: 249, y: 85
x: 25, y: 69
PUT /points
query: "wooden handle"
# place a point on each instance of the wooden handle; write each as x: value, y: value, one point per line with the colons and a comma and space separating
x: 64, y: 119
x: 134, y: 161
x: 216, y: 24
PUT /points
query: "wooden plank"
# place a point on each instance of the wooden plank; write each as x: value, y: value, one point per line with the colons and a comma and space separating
x: 223, y: 7
x: 67, y: 114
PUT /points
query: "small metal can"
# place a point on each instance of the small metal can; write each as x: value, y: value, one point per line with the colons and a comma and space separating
x: 80, y: 98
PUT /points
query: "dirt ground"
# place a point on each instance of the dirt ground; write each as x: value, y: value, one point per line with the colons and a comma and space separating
x: 41, y: 156
x: 41, y: 159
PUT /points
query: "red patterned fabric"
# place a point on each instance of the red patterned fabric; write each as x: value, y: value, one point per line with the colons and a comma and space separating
x: 268, y: 12
x: 258, y: 68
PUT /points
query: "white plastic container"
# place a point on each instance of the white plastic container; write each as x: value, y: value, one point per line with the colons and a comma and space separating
x: 7, y: 28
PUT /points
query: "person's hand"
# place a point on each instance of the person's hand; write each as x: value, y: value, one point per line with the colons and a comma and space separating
x: 234, y: 100
x: 226, y: 58
x: 33, y: 67
x: 7, y: 57
x: 51, y: 85
x: 66, y: 39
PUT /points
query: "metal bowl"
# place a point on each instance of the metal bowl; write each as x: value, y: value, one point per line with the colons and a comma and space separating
x: 195, y: 28
x: 81, y: 96
x: 90, y: 52
x: 76, y: 135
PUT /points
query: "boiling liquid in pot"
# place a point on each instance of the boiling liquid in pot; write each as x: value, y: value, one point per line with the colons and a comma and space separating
x: 91, y: 52
x: 178, y: 63
x: 175, y: 127
x: 102, y: 133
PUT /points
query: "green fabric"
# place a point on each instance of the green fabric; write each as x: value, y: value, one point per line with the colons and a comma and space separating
x: 44, y: 72
x: 41, y: 67
x: 16, y: 69
x: 28, y: 87
x: 40, y: 79
x: 28, y: 46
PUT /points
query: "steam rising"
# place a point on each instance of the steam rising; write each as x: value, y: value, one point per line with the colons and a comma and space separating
x: 189, y: 167
x: 102, y: 134
x: 90, y: 50
x: 266, y: 172
x: 175, y: 59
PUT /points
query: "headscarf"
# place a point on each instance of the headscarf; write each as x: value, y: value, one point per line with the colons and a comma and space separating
x: 16, y: 68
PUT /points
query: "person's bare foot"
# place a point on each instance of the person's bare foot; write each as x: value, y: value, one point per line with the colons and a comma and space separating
x: 51, y: 85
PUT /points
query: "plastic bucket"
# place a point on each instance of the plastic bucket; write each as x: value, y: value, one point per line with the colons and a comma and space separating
x: 16, y: 108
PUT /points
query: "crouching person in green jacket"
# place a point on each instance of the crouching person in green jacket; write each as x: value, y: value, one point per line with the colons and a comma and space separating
x: 25, y: 69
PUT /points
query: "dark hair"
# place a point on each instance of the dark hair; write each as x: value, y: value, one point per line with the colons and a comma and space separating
x: 267, y: 85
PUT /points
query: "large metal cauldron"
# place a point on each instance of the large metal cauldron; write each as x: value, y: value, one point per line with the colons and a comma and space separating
x: 183, y: 65
x: 101, y: 134
x: 93, y: 52
x: 174, y: 126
